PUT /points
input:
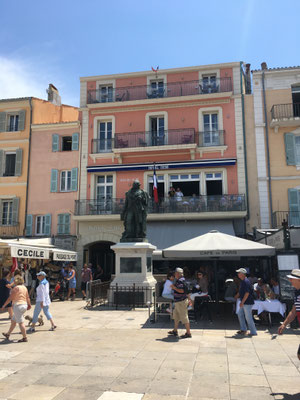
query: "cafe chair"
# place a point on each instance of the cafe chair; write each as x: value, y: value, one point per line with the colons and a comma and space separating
x: 201, y: 306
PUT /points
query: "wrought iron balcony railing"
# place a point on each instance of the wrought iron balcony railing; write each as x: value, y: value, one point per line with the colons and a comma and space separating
x: 172, y: 89
x: 166, y: 205
x: 10, y: 231
x: 291, y: 217
x: 162, y: 138
x: 284, y: 111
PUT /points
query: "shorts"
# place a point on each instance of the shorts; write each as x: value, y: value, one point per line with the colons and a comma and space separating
x: 72, y: 284
x: 19, y: 311
x: 180, y: 312
x: 83, y: 286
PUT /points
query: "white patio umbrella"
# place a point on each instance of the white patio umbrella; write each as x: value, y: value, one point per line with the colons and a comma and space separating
x: 216, y: 244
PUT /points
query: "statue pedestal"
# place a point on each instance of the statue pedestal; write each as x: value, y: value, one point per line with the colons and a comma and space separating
x: 133, y: 267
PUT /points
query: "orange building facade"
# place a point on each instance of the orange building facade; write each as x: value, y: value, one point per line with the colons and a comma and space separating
x: 188, y: 122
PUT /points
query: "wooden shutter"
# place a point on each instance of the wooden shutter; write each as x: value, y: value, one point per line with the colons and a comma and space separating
x: 60, y: 224
x: 2, y: 158
x: 54, y: 176
x: 19, y: 158
x: 55, y: 142
x: 75, y: 141
x: 21, y: 125
x: 2, y: 121
x: 15, y: 210
x: 74, y: 178
x: 289, y: 141
x: 294, y: 206
x: 29, y: 220
x: 67, y: 224
x: 48, y: 224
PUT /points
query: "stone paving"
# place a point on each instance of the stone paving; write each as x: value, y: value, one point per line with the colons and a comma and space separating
x: 119, y: 355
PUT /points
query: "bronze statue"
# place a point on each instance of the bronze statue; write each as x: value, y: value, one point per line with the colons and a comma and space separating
x: 134, y: 214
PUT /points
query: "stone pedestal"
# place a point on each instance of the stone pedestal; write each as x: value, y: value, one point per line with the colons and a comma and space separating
x: 133, y: 267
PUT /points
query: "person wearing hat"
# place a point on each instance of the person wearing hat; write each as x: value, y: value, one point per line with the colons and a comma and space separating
x: 294, y: 278
x: 181, y: 304
x: 246, y: 304
x: 42, y: 302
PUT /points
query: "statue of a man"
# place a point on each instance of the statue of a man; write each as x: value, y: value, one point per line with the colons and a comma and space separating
x: 134, y: 214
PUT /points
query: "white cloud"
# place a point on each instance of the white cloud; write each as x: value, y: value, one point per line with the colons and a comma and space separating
x: 30, y: 78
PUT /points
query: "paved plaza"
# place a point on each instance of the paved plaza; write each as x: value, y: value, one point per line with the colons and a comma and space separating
x: 120, y: 355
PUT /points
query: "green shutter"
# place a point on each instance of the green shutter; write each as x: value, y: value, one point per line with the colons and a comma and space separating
x: 60, y: 224
x: 21, y: 125
x: 2, y: 156
x: 19, y: 157
x: 47, y: 224
x: 54, y: 176
x: 29, y: 220
x: 289, y: 140
x: 75, y: 141
x: 55, y: 142
x: 294, y: 206
x: 15, y: 210
x: 67, y: 224
x: 2, y: 121
x: 74, y: 178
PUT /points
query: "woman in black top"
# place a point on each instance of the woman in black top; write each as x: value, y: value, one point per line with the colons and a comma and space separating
x: 5, y: 291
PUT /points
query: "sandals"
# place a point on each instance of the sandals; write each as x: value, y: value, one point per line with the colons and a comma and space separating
x: 174, y: 333
x: 53, y: 328
x: 241, y: 332
x: 185, y: 336
x: 24, y: 339
x: 6, y: 335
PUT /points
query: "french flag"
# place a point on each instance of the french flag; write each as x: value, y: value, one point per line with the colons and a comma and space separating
x: 155, y: 193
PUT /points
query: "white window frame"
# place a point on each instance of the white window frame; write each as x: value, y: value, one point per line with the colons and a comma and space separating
x: 65, y: 189
x: 94, y: 178
x: 103, y: 83
x: 107, y: 118
x: 10, y: 211
x: 210, y: 110
x: 9, y: 115
x: 158, y: 114
x: 42, y: 223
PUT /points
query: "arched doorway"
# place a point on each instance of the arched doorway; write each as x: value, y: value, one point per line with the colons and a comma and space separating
x: 101, y: 253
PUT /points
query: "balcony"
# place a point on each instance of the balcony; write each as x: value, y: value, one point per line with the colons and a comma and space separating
x: 10, y: 231
x: 292, y: 218
x: 285, y: 115
x: 193, y: 207
x: 171, y: 137
x: 172, y: 89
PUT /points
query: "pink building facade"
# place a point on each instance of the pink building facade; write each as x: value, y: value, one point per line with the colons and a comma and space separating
x: 189, y: 123
x: 54, y: 182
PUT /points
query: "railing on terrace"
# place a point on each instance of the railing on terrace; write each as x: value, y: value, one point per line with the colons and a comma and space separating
x: 162, y: 138
x: 172, y: 89
x: 166, y: 205
x: 283, y: 111
x: 292, y: 218
x: 10, y: 231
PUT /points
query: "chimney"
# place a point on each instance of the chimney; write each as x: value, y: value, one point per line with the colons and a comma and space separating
x: 248, y: 79
x: 264, y: 66
x: 53, y: 95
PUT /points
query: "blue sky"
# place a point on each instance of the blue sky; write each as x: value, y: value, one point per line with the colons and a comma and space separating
x: 60, y: 40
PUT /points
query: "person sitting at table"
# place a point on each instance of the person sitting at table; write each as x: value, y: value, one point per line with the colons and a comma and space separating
x: 269, y: 294
x: 201, y: 287
x: 259, y: 289
x: 167, y: 292
x: 275, y: 287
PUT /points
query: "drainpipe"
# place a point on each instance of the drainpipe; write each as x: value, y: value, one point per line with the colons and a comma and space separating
x: 244, y: 141
x: 267, y: 142
x: 28, y: 164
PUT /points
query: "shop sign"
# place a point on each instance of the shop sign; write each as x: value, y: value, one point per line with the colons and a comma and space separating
x: 29, y: 252
x: 62, y: 256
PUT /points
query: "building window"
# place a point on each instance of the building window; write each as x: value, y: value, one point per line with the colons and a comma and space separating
x: 10, y: 164
x: 189, y: 184
x: 297, y: 149
x: 40, y: 225
x: 66, y: 143
x: 105, y: 137
x: 157, y: 135
x: 13, y: 123
x: 214, y: 183
x: 65, y: 181
x: 63, y: 225
x: 106, y: 93
x: 211, y: 133
x: 209, y: 84
x: 104, y: 192
x: 156, y: 89
x: 7, y: 211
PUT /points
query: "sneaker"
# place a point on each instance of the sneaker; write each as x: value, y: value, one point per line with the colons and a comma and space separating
x: 53, y: 328
x: 174, y: 333
x: 31, y: 330
x: 186, y: 335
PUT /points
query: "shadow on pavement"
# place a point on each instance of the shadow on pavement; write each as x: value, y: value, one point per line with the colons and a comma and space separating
x: 286, y: 396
